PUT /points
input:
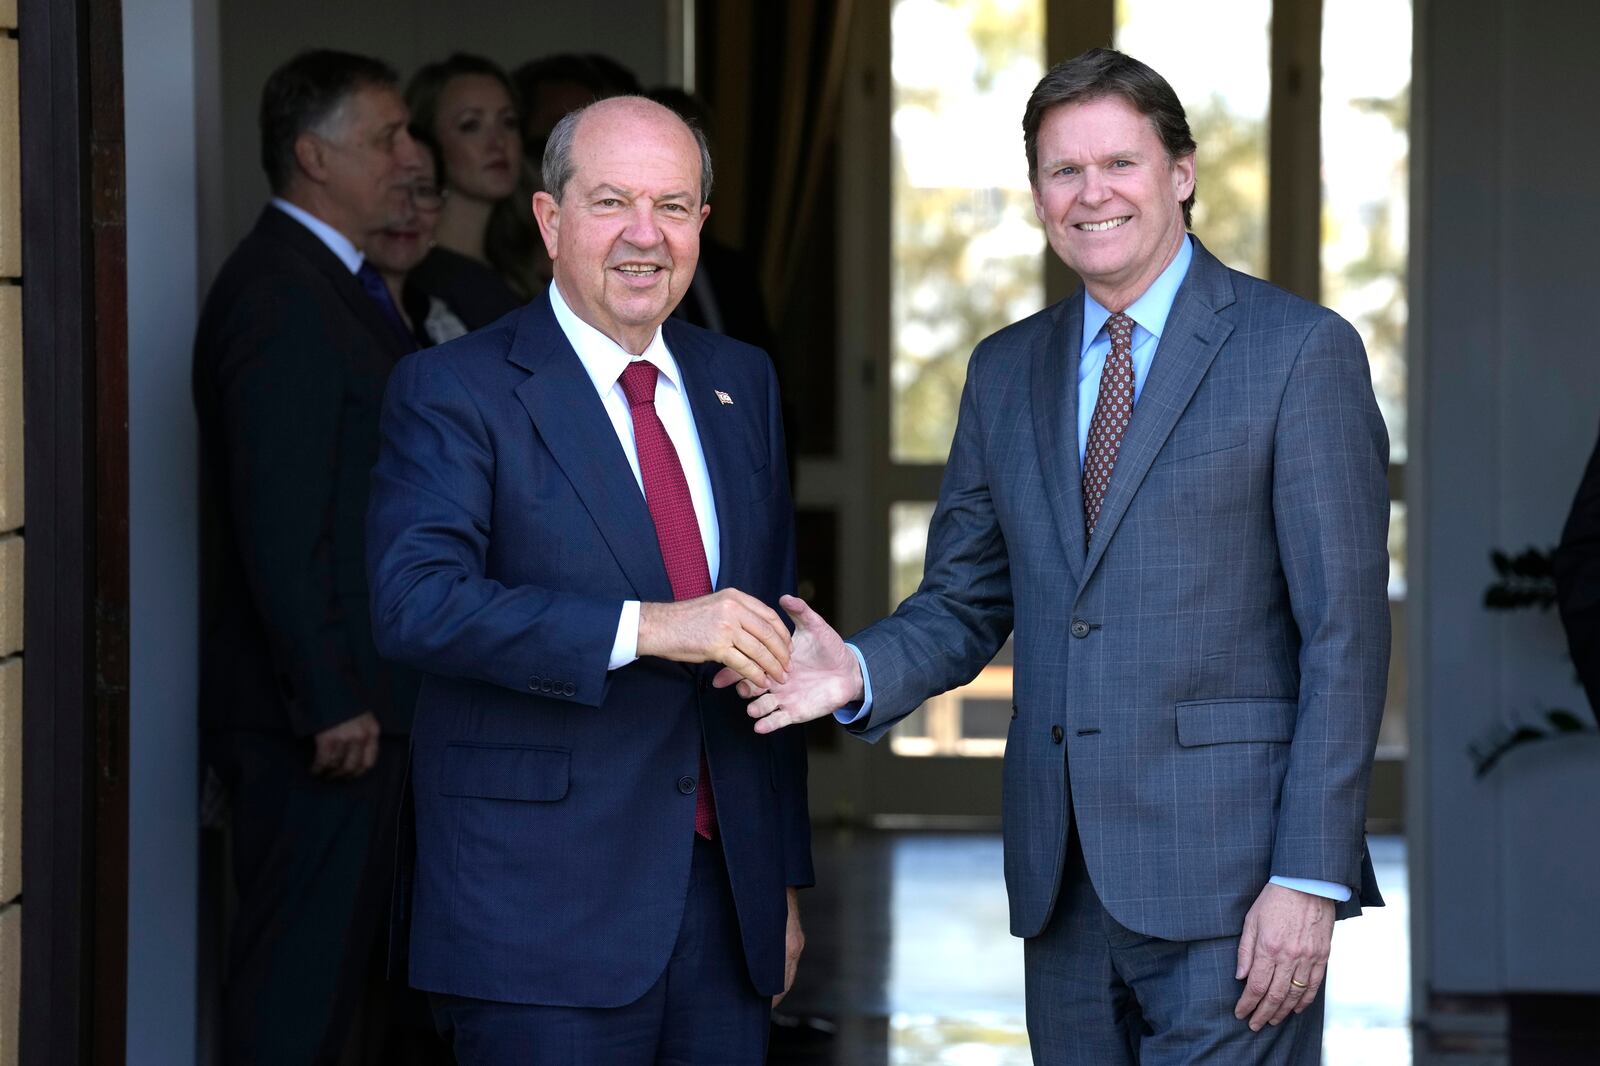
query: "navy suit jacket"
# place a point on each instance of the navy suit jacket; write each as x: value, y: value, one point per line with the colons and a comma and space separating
x: 1199, y: 686
x: 554, y: 806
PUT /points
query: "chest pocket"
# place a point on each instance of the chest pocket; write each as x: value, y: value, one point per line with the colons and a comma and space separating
x: 1191, y: 442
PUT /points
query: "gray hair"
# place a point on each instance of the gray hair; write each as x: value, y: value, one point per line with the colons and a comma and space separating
x: 557, y: 168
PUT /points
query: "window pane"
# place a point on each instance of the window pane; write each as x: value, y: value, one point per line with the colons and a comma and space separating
x: 1226, y: 102
x: 908, y: 544
x: 1392, y: 742
x: 967, y: 251
x: 1397, y: 550
x: 1366, y: 99
x: 972, y: 719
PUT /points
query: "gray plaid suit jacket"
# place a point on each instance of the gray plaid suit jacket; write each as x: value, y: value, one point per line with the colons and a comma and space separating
x: 1200, y: 685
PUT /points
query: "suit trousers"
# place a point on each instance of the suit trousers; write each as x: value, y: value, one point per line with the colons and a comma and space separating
x: 1100, y: 994
x: 313, y: 860
x: 702, y: 1012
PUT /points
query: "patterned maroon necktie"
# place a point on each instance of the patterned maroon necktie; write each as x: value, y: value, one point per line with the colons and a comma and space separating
x: 1112, y: 410
x: 666, y: 492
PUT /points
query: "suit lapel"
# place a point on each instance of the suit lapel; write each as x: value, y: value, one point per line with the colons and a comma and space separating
x: 288, y: 230
x: 575, y: 428
x: 721, y: 439
x: 1055, y: 423
x: 1193, y: 335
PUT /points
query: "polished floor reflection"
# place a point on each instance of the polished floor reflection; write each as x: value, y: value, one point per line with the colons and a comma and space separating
x: 908, y: 960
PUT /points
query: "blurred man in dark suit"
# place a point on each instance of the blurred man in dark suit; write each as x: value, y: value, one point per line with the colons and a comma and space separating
x: 303, y: 722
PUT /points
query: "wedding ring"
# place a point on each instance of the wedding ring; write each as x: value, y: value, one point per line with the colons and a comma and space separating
x: 1298, y: 984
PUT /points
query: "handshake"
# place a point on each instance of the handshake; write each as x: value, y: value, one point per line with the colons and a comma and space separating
x: 788, y: 678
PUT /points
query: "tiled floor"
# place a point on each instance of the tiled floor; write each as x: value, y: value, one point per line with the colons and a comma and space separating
x: 909, y: 961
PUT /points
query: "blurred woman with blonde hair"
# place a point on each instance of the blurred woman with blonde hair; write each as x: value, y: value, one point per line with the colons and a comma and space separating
x: 465, y: 109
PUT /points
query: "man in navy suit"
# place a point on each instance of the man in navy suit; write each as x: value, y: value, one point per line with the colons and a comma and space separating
x: 1170, y: 489
x: 578, y: 514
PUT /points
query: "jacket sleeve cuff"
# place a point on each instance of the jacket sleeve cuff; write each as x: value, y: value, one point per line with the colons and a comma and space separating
x: 851, y: 713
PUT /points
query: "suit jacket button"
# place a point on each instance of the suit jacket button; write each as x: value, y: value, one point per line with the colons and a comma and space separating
x: 686, y: 785
x: 569, y: 689
x: 1056, y: 734
x: 533, y: 682
x: 1080, y: 628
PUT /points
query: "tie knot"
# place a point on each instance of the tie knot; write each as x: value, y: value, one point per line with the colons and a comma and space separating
x: 1119, y: 327
x: 639, y: 382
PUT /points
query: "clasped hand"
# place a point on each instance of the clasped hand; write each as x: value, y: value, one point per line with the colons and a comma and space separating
x: 823, y: 675
x: 729, y: 627
x: 348, y: 749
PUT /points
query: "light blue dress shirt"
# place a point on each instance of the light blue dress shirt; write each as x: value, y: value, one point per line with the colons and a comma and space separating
x: 1149, y: 313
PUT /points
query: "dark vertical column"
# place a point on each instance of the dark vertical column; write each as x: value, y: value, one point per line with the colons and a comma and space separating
x: 108, y: 249
x: 75, y: 598
x: 1294, y: 146
x: 57, y: 738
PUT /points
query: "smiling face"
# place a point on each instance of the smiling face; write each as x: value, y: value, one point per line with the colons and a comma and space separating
x: 477, y: 131
x: 624, y: 234
x: 1110, y: 199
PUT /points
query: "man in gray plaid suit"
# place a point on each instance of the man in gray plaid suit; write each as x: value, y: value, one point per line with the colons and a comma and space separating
x: 1170, y: 487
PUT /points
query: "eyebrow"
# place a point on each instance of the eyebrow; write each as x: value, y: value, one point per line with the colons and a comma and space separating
x: 607, y: 187
x: 1121, y: 153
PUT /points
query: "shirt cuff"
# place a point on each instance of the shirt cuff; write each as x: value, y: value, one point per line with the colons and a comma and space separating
x: 1327, y: 889
x: 851, y: 713
x: 625, y: 649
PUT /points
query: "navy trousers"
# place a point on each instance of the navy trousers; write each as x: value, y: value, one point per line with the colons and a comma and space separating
x: 702, y: 1012
x: 1100, y: 994
x: 312, y: 860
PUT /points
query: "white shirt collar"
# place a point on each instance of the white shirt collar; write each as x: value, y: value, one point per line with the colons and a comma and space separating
x: 603, y: 358
x: 337, y: 243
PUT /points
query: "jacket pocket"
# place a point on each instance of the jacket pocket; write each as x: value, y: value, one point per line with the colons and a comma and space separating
x: 761, y: 484
x: 506, y: 772
x: 1190, y: 443
x: 1258, y: 719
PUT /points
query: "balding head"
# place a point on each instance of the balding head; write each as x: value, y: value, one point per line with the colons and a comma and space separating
x: 626, y: 185
x: 558, y: 164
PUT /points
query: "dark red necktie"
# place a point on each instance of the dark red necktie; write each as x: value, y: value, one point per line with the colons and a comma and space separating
x: 1113, y: 409
x: 666, y: 492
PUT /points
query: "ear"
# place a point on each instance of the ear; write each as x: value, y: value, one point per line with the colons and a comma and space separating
x: 705, y: 213
x: 311, y: 156
x: 548, y: 214
x: 1038, y: 204
x: 1183, y: 176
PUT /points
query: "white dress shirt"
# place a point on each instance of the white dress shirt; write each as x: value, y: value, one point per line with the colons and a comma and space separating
x: 604, y: 361
x: 337, y: 243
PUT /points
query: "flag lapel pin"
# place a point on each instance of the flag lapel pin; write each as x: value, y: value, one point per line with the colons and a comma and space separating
x: 724, y: 399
